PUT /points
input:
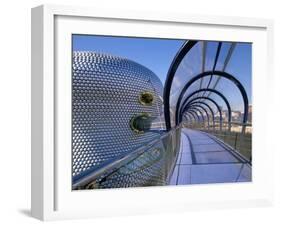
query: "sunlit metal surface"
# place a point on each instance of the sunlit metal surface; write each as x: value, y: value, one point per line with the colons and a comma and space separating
x: 119, y: 133
x: 105, y: 96
x: 149, y: 165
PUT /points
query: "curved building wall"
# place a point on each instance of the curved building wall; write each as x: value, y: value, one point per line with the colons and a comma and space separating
x: 105, y: 97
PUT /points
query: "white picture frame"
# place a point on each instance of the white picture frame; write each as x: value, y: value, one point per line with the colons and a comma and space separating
x: 52, y: 197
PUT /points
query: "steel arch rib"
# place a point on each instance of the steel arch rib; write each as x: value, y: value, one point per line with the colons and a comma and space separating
x: 206, y: 98
x: 197, y: 115
x: 213, y: 91
x: 195, y: 108
x: 208, y: 106
x: 192, y: 113
x: 189, y: 116
x: 186, y: 47
x: 207, y: 114
x: 218, y: 73
x: 215, y: 64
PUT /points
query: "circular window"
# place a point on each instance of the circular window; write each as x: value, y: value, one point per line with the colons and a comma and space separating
x: 146, y: 98
x: 141, y: 123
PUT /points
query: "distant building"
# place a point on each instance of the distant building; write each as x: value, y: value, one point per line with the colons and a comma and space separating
x: 236, y: 116
x: 250, y: 113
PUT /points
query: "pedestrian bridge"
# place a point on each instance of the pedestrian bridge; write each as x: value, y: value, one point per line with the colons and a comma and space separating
x: 202, y: 133
x: 181, y: 156
x: 205, y: 159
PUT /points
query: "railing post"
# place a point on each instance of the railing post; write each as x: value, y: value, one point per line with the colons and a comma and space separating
x: 243, y: 128
x: 229, y: 126
x: 235, y: 144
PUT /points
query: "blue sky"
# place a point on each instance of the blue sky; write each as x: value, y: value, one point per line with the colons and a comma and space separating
x: 157, y: 55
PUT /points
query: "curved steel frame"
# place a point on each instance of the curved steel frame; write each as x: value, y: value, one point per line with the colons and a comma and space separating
x: 191, y: 116
x: 215, y: 64
x: 210, y: 90
x: 187, y: 117
x: 186, y: 47
x: 213, y: 91
x: 206, y: 98
x: 194, y: 111
x: 204, y: 109
x: 202, y: 118
x: 219, y: 73
x: 201, y: 113
x: 208, y: 106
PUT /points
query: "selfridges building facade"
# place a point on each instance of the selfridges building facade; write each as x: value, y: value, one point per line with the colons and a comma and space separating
x: 118, y: 130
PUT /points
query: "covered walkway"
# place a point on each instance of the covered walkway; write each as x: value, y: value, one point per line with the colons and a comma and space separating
x: 198, y: 132
x: 205, y: 159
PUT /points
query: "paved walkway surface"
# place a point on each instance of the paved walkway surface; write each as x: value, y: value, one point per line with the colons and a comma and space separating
x: 203, y: 159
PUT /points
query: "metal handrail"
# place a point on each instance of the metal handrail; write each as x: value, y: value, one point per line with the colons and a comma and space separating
x: 116, y: 164
x: 238, y: 140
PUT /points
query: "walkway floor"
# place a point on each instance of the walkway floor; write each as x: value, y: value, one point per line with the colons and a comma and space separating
x: 203, y: 159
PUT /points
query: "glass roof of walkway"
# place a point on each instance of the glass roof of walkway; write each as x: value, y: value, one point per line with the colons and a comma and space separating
x: 208, y: 94
x: 223, y: 71
x: 206, y: 103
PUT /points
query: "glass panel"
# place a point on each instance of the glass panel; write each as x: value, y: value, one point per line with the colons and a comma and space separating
x: 190, y: 66
x: 210, y: 55
x: 222, y: 56
x: 119, y: 128
x: 240, y: 66
x: 234, y: 97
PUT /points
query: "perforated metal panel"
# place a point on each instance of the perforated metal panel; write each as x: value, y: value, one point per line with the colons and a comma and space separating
x: 150, y: 165
x: 105, y: 96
